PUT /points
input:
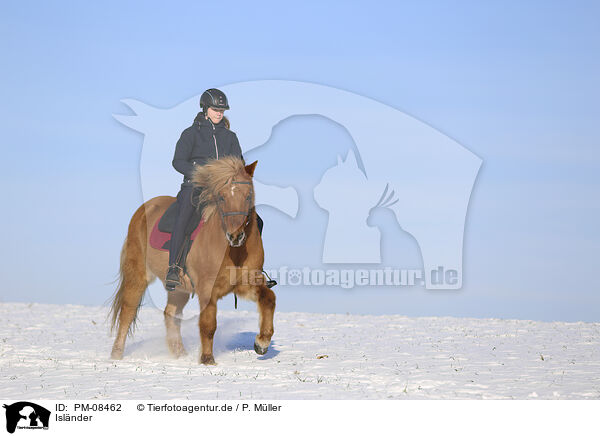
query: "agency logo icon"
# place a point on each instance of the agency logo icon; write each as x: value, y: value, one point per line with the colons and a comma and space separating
x: 26, y: 415
x: 398, y: 163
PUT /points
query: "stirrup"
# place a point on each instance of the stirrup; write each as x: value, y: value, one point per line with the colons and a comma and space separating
x: 172, y: 282
x: 270, y: 283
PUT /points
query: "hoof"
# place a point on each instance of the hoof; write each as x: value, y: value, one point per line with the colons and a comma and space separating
x: 207, y: 360
x: 178, y: 353
x: 116, y: 354
x: 260, y: 350
x: 176, y: 349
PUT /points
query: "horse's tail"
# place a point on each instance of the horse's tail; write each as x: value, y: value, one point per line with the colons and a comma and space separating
x: 117, y: 301
x: 133, y: 279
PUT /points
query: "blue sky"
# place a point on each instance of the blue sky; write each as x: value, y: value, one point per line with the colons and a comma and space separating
x: 516, y: 83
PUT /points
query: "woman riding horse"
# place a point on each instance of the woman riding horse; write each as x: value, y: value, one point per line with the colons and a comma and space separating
x: 207, y: 138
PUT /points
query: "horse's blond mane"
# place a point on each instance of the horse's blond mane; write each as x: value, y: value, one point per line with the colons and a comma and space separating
x: 212, y: 176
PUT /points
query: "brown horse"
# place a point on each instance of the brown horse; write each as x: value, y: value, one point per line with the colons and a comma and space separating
x: 226, y: 256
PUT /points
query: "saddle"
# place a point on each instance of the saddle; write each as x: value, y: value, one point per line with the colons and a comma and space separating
x: 160, y: 237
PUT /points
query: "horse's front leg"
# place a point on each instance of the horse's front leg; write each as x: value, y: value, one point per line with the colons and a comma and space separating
x: 208, y: 326
x: 266, y: 309
x: 175, y: 303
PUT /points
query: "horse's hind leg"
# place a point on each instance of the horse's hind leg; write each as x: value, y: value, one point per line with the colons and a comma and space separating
x: 266, y: 310
x: 175, y: 303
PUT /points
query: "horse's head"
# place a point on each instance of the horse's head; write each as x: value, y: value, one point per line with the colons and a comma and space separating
x: 234, y: 203
x: 227, y: 190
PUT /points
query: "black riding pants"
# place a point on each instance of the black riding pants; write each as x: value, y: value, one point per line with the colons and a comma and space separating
x: 185, y: 211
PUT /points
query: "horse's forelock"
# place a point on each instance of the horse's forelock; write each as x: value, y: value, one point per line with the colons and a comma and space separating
x: 212, y: 176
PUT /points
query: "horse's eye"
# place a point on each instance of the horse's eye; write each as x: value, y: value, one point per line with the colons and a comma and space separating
x: 249, y: 197
x: 221, y: 198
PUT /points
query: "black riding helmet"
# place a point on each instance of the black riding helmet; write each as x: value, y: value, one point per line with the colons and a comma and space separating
x: 213, y: 98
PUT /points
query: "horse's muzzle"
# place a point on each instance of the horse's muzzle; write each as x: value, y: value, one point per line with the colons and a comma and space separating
x: 236, y: 241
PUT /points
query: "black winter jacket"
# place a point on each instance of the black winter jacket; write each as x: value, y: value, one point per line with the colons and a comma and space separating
x: 202, y: 141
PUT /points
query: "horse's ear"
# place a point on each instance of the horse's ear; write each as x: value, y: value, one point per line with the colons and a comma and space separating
x: 250, y: 168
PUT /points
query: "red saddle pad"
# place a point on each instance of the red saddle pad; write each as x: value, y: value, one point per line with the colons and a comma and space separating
x: 161, y: 240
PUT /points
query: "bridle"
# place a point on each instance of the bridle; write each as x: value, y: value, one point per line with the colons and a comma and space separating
x: 246, y: 213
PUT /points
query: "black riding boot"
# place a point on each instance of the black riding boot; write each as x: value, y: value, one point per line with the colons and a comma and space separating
x: 178, y: 237
x: 173, y: 277
x: 270, y: 282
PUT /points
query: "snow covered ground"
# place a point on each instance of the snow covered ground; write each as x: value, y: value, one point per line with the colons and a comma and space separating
x: 61, y: 352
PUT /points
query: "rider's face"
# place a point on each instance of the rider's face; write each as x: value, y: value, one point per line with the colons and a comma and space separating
x: 215, y: 115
